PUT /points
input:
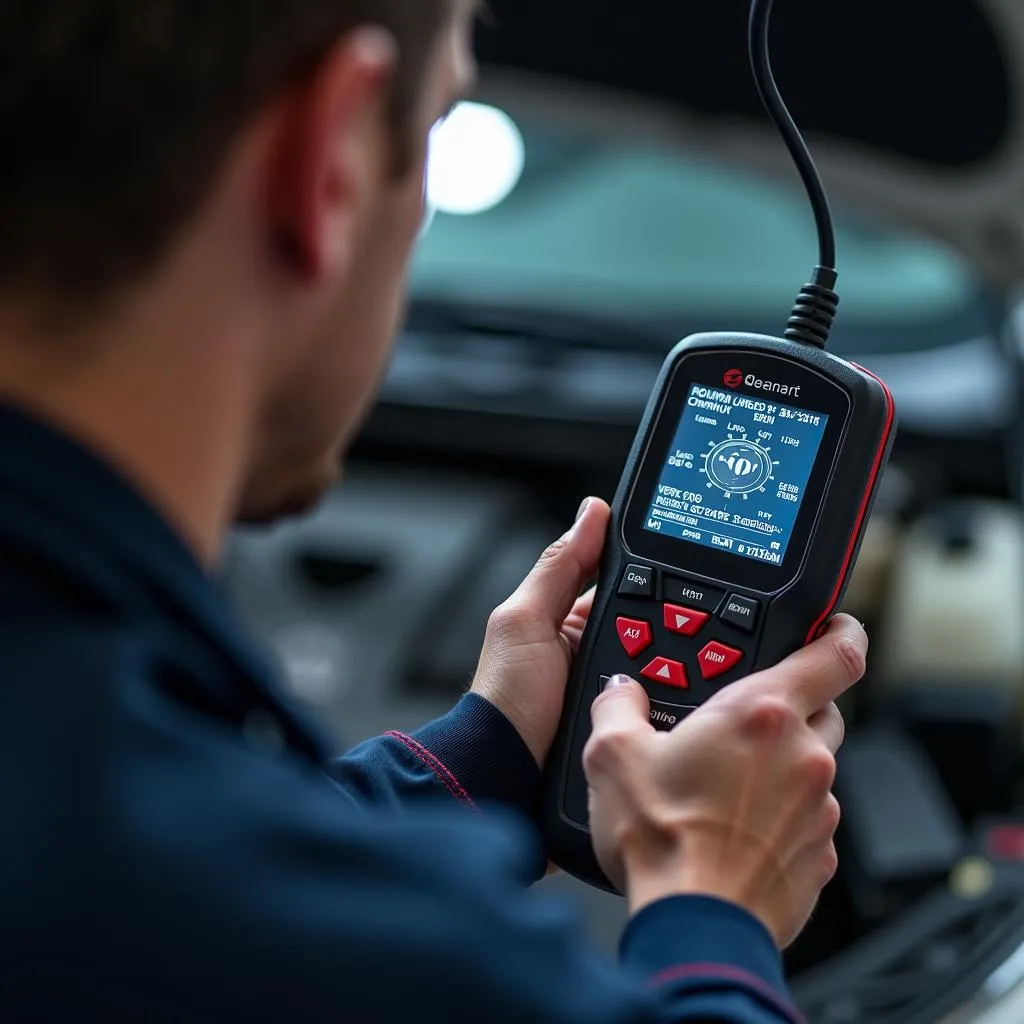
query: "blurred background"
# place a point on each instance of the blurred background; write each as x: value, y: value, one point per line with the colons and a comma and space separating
x: 612, y: 187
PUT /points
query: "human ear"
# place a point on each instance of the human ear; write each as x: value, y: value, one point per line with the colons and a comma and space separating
x: 330, y: 152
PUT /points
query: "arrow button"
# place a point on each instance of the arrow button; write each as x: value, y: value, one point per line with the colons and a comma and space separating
x: 685, y: 621
x: 671, y: 673
x: 716, y: 659
x: 635, y: 635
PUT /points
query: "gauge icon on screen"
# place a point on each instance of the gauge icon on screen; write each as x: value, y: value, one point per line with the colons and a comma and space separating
x: 738, y: 466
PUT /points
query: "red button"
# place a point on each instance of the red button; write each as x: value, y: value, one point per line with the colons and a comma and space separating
x: 716, y: 659
x: 684, y: 620
x: 636, y: 636
x: 671, y: 673
x: 1006, y: 842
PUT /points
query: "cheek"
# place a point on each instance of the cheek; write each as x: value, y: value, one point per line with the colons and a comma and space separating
x: 396, y: 244
x: 342, y: 374
x: 413, y: 201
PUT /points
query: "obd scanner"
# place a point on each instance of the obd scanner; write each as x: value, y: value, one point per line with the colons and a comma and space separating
x: 738, y: 516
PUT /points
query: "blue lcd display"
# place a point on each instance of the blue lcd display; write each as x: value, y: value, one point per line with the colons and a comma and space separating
x: 736, y: 474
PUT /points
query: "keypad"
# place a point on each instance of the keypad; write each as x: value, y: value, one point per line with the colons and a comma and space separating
x: 691, y: 639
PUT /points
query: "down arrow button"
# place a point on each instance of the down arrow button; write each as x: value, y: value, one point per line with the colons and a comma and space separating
x: 684, y: 621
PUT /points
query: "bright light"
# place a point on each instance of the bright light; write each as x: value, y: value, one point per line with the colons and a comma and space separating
x: 477, y: 155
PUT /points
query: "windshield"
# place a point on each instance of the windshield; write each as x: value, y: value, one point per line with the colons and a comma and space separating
x: 651, y: 233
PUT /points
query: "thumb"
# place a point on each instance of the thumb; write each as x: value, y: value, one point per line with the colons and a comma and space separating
x: 623, y: 707
x: 555, y: 582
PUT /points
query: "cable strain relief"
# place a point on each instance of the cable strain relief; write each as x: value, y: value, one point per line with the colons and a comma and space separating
x: 815, y: 310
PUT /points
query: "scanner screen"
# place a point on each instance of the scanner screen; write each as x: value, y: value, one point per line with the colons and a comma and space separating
x: 735, y: 475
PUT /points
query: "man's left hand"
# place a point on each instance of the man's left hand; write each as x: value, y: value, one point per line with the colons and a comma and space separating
x: 533, y: 637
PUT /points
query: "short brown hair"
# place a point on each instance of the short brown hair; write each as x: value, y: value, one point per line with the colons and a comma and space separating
x: 115, y: 116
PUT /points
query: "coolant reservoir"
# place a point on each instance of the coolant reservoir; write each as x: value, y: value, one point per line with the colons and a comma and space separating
x: 955, y: 613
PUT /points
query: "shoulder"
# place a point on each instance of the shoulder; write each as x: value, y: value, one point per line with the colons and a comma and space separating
x: 118, y: 761
x: 153, y: 836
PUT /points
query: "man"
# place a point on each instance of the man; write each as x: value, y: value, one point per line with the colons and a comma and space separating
x: 207, y: 211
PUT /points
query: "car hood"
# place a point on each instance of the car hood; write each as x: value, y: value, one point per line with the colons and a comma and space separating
x: 914, y: 109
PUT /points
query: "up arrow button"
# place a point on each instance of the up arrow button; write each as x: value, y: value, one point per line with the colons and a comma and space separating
x: 671, y: 673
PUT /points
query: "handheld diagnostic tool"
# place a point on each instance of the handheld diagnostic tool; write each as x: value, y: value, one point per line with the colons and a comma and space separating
x: 738, y: 517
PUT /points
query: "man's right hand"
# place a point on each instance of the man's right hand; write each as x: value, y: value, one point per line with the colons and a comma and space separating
x: 736, y: 801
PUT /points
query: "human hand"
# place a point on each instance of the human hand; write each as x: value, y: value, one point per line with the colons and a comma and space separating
x: 736, y: 801
x: 532, y: 638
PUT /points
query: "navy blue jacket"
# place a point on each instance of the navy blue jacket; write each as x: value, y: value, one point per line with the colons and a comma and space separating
x: 177, y: 844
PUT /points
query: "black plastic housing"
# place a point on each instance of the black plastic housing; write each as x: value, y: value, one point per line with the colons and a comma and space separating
x: 797, y: 598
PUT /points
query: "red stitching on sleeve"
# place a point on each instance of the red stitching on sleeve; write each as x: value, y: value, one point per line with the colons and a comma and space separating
x: 440, y: 769
x: 723, y: 972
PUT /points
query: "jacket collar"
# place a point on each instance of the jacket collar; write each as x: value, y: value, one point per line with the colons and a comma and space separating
x: 75, y: 510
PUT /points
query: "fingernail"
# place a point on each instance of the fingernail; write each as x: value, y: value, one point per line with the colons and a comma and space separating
x: 583, y: 508
x: 618, y: 681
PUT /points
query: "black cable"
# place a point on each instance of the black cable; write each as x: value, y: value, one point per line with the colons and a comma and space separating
x: 817, y: 305
x: 760, y: 17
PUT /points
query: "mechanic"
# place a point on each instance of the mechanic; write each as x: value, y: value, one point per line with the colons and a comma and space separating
x: 207, y: 214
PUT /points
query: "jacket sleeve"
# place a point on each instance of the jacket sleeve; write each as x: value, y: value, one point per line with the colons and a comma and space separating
x: 690, y: 959
x: 274, y: 900
x: 473, y: 755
